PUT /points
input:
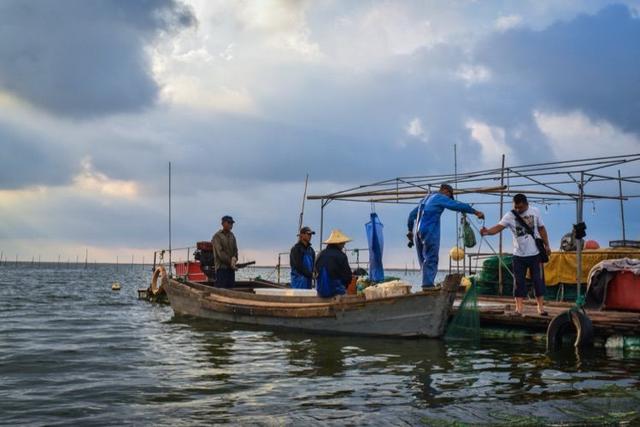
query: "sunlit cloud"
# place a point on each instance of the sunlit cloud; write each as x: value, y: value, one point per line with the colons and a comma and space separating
x: 571, y: 133
x: 492, y: 141
x: 508, y: 22
x: 95, y: 182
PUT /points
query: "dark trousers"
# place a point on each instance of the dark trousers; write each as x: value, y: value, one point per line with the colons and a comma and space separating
x: 520, y: 266
x: 225, y: 278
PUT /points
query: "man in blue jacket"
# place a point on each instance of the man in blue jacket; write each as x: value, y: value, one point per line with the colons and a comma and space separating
x: 301, y: 260
x: 427, y: 236
x: 332, y: 266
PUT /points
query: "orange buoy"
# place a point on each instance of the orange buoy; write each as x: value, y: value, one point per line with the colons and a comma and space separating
x: 591, y: 244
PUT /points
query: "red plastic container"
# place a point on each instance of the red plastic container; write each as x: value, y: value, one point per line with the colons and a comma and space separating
x: 191, y: 270
x: 623, y: 292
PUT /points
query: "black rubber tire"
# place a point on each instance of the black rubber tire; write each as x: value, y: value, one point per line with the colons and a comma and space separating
x: 566, y: 322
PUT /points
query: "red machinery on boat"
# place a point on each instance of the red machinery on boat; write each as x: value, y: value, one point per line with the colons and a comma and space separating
x: 201, y: 269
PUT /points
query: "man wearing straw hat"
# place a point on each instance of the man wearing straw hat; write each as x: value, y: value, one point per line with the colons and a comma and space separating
x: 426, y: 216
x: 332, y: 266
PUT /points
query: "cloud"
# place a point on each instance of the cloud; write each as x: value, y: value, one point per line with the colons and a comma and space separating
x: 98, y: 183
x: 84, y: 59
x: 491, y: 139
x: 572, y: 133
x: 590, y: 64
x: 473, y: 74
x: 508, y: 22
x: 416, y: 130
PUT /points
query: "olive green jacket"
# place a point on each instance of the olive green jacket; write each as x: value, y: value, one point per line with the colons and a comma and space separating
x: 224, y: 248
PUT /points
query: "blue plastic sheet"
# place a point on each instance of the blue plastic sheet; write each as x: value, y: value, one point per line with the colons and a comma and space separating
x: 376, y: 247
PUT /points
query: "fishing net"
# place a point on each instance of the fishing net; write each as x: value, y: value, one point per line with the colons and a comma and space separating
x: 466, y: 322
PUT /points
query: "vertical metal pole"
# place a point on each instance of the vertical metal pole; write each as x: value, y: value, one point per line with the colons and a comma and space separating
x: 304, y: 196
x: 321, y: 222
x: 86, y: 257
x: 579, y: 241
x: 455, y: 183
x: 500, y: 278
x: 624, y: 234
x: 170, y: 219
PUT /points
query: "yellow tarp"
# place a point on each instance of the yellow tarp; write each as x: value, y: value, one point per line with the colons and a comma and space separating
x: 561, y: 267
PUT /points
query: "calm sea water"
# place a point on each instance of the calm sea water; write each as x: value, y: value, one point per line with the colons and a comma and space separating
x: 73, y: 352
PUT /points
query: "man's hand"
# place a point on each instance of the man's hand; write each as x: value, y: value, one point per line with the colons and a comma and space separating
x: 410, y: 237
x: 234, y: 261
x: 548, y: 249
x: 479, y: 214
x: 484, y: 231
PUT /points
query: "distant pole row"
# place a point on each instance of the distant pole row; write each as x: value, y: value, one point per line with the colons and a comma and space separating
x: 4, y: 261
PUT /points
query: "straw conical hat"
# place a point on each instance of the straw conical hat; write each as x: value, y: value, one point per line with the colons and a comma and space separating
x: 336, y: 236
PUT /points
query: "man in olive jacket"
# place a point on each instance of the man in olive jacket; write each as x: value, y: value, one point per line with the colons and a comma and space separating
x: 225, y: 254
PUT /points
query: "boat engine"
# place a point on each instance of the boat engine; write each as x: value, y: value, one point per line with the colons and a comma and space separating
x: 204, y: 254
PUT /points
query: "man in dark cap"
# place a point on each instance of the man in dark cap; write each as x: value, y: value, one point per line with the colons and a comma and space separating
x: 427, y: 237
x: 301, y: 260
x: 225, y: 253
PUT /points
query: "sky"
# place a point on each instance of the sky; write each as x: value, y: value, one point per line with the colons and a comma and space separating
x: 245, y: 98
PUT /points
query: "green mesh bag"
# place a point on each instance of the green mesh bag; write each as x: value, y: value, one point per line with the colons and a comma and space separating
x: 468, y: 236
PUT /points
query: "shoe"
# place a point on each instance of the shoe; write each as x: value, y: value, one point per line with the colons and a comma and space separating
x: 543, y: 313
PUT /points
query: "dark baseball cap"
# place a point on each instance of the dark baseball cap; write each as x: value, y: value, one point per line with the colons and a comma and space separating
x: 228, y: 219
x: 447, y: 187
x: 305, y: 230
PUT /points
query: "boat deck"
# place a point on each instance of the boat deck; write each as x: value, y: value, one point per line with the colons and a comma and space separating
x: 500, y: 311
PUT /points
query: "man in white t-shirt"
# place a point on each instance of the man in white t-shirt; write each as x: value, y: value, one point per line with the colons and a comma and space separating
x: 525, y: 251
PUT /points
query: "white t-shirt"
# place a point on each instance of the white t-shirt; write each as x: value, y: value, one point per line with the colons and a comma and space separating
x: 523, y: 243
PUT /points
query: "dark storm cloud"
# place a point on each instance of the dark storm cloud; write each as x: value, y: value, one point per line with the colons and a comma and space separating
x: 591, y: 64
x: 83, y: 58
x: 30, y: 158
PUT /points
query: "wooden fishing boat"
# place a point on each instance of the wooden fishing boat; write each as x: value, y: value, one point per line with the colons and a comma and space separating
x: 422, y: 314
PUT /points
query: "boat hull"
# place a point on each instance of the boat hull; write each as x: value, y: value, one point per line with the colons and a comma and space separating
x: 424, y: 314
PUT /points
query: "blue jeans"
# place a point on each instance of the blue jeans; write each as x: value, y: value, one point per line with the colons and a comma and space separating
x: 520, y: 266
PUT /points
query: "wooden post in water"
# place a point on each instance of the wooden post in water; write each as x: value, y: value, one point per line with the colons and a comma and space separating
x: 143, y: 262
x: 131, y: 262
x: 86, y: 257
x: 58, y: 265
